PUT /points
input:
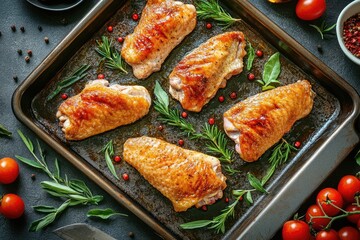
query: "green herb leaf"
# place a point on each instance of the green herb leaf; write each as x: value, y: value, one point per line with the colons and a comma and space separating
x: 57, y: 187
x: 112, y: 58
x: 248, y: 198
x: 29, y: 162
x: 271, y: 72
x: 357, y: 158
x: 161, y: 96
x: 108, y: 149
x: 323, y: 29
x: 196, y: 224
x: 4, y: 131
x: 250, y: 56
x: 26, y: 141
x: 44, y: 209
x: 230, y: 170
x: 104, y: 213
x: 255, y: 183
x: 57, y: 169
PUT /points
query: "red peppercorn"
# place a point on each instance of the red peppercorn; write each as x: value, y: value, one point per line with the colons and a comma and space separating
x: 135, y: 17
x: 233, y: 95
x: 117, y: 158
x: 110, y: 29
x: 160, y: 128
x: 181, y: 142
x: 297, y: 144
x: 227, y: 200
x: 29, y: 52
x: 64, y: 96
x: 184, y: 114
x: 101, y: 76
x: 208, y: 25
x: 259, y: 53
x: 221, y: 99
x: 120, y: 39
x: 251, y: 76
x: 211, y: 121
x: 125, y: 176
x: 204, y: 208
x: 27, y: 59
x: 241, y: 198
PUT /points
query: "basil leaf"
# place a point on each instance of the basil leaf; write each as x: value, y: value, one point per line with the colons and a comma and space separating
x: 251, y: 56
x: 4, y: 131
x: 161, y: 95
x: 196, y: 224
x: 255, y: 183
x: 103, y: 213
x: 29, y: 162
x: 272, y: 68
x: 248, y: 198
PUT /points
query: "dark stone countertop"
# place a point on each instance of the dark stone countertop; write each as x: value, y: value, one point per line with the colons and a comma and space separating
x: 55, y: 26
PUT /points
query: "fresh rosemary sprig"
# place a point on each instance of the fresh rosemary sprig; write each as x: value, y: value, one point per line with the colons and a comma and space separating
x: 323, y: 29
x: 74, y: 191
x: 215, y: 138
x: 210, y: 9
x: 251, y: 56
x: 271, y: 72
x: 108, y: 150
x: 4, y: 131
x: 67, y: 82
x: 111, y: 57
x: 104, y: 213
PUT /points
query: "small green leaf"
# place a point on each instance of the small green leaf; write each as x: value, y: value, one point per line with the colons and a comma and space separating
x: 57, y: 187
x: 104, y: 213
x: 42, y: 222
x: 256, y: 183
x: 248, y: 198
x: 110, y: 164
x: 272, y: 68
x: 196, y: 224
x: 4, y: 131
x: 29, y: 162
x: 26, y: 141
x: 161, y: 95
x: 57, y: 169
x: 44, y: 209
x: 251, y: 56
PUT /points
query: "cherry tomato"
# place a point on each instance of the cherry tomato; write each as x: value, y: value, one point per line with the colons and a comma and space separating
x: 348, y: 186
x: 314, y: 211
x: 334, y: 196
x: 12, y: 206
x: 310, y: 9
x: 327, y: 235
x: 296, y: 230
x: 355, y: 217
x: 9, y: 170
x: 358, y: 225
x: 349, y: 233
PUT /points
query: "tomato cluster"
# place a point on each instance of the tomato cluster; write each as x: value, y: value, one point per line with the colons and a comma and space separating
x: 331, y: 205
x: 11, y: 205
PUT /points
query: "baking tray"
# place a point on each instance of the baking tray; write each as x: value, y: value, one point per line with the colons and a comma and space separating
x: 327, y: 134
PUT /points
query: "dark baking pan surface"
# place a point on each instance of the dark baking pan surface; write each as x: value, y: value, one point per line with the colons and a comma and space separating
x: 327, y: 134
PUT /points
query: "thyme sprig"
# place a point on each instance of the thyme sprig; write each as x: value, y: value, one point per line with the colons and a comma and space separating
x: 111, y: 57
x: 4, y: 131
x: 75, y: 192
x: 108, y: 150
x: 216, y: 140
x: 323, y: 28
x: 210, y: 9
x: 271, y: 72
x: 79, y: 74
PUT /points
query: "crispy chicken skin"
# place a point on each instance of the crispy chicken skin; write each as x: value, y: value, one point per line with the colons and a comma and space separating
x: 260, y: 121
x: 100, y: 107
x: 199, y: 75
x: 185, y: 177
x: 163, y: 25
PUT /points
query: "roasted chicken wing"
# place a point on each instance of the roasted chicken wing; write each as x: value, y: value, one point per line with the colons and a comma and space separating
x: 260, y: 121
x: 163, y: 25
x: 199, y: 75
x: 100, y: 107
x: 185, y: 177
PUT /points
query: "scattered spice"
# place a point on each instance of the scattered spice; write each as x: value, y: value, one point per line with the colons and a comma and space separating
x: 319, y: 48
x: 29, y: 52
x: 184, y: 114
x: 181, y: 142
x: 120, y: 39
x: 110, y: 29
x: 125, y: 176
x: 221, y: 99
x: 135, y: 17
x: 251, y: 76
x: 64, y: 96
x: 259, y: 53
x: 100, y: 76
x: 351, y: 34
x: 22, y: 29
x: 15, y: 78
x: 131, y: 234
x: 227, y: 200
x: 33, y: 176
x: 204, y: 208
x: 233, y: 95
x: 13, y: 28
x: 297, y: 144
x: 19, y: 51
x: 161, y: 127
x: 46, y: 39
x: 117, y: 158
x: 40, y: 28
x: 208, y: 25
x: 211, y: 121
x: 27, y: 59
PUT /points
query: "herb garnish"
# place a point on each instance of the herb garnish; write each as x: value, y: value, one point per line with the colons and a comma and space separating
x: 323, y: 29
x: 111, y: 57
x: 216, y: 139
x: 251, y: 56
x: 210, y: 9
x: 108, y: 150
x: 74, y: 191
x: 79, y: 74
x: 104, y: 213
x: 4, y: 131
x: 271, y: 72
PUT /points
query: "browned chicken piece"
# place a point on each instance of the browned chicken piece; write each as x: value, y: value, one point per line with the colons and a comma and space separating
x: 185, y: 177
x: 260, y: 121
x: 200, y: 74
x: 100, y: 107
x: 163, y: 25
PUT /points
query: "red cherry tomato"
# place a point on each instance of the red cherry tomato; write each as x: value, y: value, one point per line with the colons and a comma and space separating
x: 355, y: 217
x: 327, y: 235
x: 314, y: 211
x: 348, y: 186
x: 358, y: 225
x: 9, y: 170
x: 310, y: 9
x: 334, y: 196
x: 349, y: 233
x: 12, y: 206
x: 296, y: 230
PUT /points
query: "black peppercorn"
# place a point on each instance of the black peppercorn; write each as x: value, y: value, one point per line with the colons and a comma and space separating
x: 0, y: 33
x: 22, y: 29
x: 46, y: 39
x: 13, y: 28
x: 319, y: 48
x: 19, y: 51
x: 15, y: 78
x: 131, y: 234
x: 40, y: 28
x: 33, y: 176
x: 27, y: 59
x: 29, y: 52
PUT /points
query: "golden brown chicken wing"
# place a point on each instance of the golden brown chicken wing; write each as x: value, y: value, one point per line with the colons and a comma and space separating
x: 185, y: 177
x: 199, y: 75
x: 99, y: 108
x: 260, y: 121
x: 163, y: 25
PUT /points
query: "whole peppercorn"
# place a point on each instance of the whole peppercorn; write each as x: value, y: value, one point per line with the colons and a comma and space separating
x: 13, y: 28
x: 221, y: 99
x: 211, y: 121
x: 46, y: 39
x: 117, y: 158
x: 125, y: 176
x: 319, y: 48
x: 120, y: 39
x: 33, y: 176
x: 22, y: 29
x: 181, y: 142
x: 131, y: 234
x: 15, y: 78
x: 27, y: 59
x: 297, y: 144
x: 160, y: 127
x: 259, y: 53
x: 251, y: 76
x: 19, y: 51
x: 64, y: 96
x: 204, y: 208
x: 233, y: 95
x: 208, y: 25
x: 184, y: 114
x: 40, y: 28
x: 100, y: 76
x: 110, y: 29
x: 135, y: 16
x: 29, y: 52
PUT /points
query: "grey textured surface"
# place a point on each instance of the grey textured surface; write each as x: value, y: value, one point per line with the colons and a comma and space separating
x: 21, y: 13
